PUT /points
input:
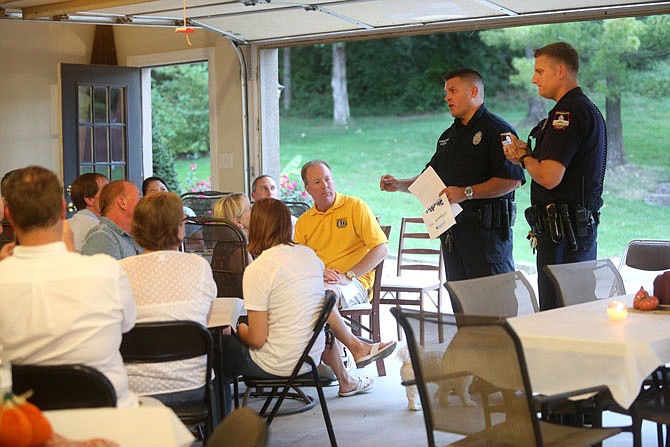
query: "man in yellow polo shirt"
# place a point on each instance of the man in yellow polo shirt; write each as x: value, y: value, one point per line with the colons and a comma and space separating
x: 343, y: 232
x: 345, y: 235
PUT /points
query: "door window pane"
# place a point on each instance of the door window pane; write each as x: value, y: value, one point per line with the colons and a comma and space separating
x: 85, y: 169
x: 102, y: 169
x: 116, y: 105
x: 85, y: 147
x: 101, y: 145
x: 100, y: 104
x: 118, y: 172
x: 85, y: 104
x: 118, y: 142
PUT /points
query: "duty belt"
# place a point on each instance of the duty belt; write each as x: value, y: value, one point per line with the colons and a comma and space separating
x: 559, y: 222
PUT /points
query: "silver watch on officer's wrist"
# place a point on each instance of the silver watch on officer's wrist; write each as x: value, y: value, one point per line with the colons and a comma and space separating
x: 469, y: 193
x: 351, y: 275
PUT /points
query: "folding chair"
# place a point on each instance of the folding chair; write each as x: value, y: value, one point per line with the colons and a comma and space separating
x: 297, y: 208
x: 309, y: 379
x: 353, y: 314
x: 168, y: 341
x: 424, y: 264
x: 642, y: 260
x: 225, y: 246
x: 505, y: 295
x: 481, y: 351
x: 202, y: 202
x: 581, y: 282
x: 57, y: 387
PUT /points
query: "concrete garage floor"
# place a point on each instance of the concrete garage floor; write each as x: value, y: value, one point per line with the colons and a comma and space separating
x: 381, y: 418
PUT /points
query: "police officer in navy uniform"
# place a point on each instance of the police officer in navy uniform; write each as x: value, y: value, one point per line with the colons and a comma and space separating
x: 470, y: 161
x: 567, y: 167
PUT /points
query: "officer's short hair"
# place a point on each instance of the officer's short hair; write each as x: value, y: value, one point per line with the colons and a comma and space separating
x: 562, y: 52
x: 469, y: 74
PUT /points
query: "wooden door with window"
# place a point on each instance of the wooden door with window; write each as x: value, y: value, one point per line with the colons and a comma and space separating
x: 102, y: 122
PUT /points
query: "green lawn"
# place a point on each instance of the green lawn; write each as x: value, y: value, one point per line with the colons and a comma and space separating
x: 369, y: 147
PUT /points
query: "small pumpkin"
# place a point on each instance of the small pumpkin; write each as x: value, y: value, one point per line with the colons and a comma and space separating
x: 22, y: 424
x: 643, y: 301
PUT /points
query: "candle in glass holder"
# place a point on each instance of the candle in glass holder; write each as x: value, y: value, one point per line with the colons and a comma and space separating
x: 616, y: 310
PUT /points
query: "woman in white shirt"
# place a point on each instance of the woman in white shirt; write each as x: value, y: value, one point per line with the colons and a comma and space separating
x: 168, y: 285
x: 283, y: 295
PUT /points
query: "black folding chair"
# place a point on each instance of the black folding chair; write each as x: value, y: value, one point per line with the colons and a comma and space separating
x: 169, y: 341
x: 57, y: 387
x: 309, y: 379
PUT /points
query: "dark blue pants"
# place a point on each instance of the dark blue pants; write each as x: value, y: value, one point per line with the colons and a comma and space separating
x: 475, y: 251
x: 549, y: 253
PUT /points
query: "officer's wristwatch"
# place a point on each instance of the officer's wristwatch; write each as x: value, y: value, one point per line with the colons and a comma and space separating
x: 469, y: 193
x: 351, y: 275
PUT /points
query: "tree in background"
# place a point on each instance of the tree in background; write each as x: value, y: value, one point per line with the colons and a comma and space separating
x: 338, y: 83
x: 180, y: 108
x: 615, y: 56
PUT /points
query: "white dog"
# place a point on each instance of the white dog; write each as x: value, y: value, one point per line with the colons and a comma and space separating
x: 432, y: 362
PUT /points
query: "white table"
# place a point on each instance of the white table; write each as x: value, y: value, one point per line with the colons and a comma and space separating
x: 142, y: 427
x: 578, y: 347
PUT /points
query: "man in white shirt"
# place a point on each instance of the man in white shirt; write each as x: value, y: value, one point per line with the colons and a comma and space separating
x: 58, y: 307
x: 85, y: 194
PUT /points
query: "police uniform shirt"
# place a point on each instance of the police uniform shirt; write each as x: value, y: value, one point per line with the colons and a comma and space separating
x: 574, y: 135
x: 470, y: 154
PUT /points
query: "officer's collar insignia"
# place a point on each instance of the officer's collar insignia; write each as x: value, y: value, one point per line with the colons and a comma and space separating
x: 477, y: 138
x: 561, y: 120
x: 341, y: 223
x: 442, y: 142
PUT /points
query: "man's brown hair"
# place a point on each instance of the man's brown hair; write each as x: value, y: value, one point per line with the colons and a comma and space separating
x: 562, y: 52
x: 34, y: 197
x: 157, y: 220
x: 84, y: 186
x: 309, y: 164
x: 269, y: 225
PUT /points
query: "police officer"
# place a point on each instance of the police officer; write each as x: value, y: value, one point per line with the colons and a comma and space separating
x: 470, y: 161
x: 567, y: 167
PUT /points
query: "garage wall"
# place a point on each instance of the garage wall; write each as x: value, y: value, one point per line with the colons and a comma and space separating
x: 29, y: 92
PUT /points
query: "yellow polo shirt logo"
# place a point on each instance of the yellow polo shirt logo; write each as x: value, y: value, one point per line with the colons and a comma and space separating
x: 341, y: 223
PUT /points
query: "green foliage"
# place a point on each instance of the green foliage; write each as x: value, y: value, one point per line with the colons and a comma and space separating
x: 291, y: 186
x: 163, y: 164
x: 392, y: 76
x: 180, y: 108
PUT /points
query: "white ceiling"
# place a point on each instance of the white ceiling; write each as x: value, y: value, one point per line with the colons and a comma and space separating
x: 272, y: 23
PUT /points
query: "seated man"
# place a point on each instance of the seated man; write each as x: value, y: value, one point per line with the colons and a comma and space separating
x: 265, y: 187
x: 85, y: 194
x: 345, y: 235
x: 59, y: 307
x: 112, y: 235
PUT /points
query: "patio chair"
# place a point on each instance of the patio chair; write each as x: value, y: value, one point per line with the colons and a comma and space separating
x: 581, y: 282
x: 481, y: 351
x: 419, y: 271
x: 169, y: 341
x: 353, y: 314
x: 297, y: 208
x: 505, y: 295
x: 57, y: 387
x: 224, y: 245
x: 202, y: 202
x: 296, y: 379
x: 642, y: 260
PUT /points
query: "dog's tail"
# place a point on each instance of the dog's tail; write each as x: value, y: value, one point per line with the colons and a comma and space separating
x: 403, y: 353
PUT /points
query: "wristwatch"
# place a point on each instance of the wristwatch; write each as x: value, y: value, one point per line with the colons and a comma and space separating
x: 469, y: 193
x: 351, y: 275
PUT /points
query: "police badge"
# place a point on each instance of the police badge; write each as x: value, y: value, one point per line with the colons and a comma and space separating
x: 477, y: 138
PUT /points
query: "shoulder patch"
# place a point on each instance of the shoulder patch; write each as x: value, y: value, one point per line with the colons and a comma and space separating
x: 442, y: 142
x: 561, y: 120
